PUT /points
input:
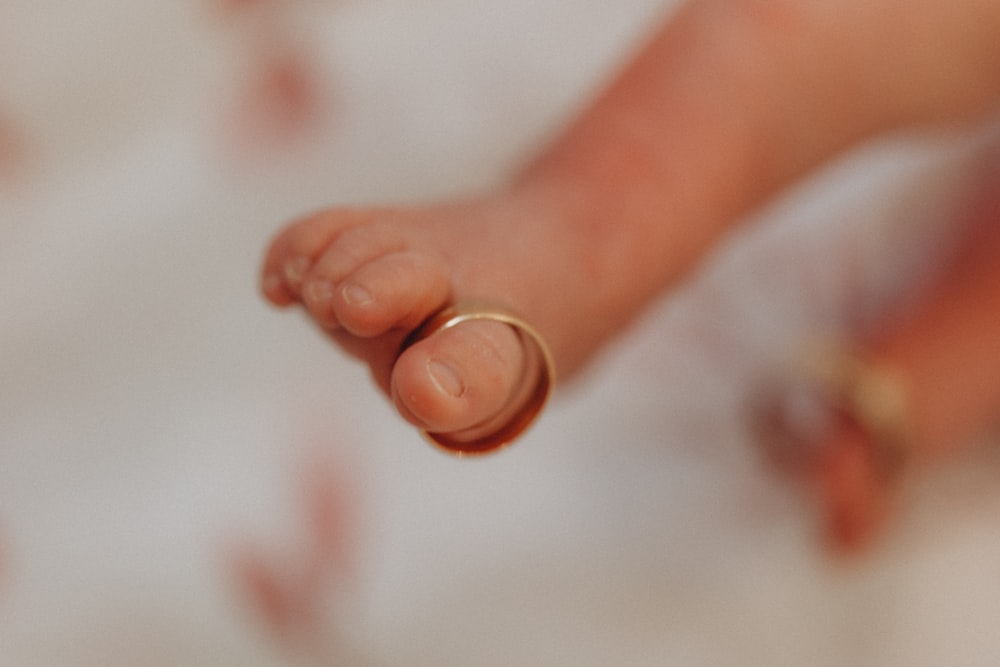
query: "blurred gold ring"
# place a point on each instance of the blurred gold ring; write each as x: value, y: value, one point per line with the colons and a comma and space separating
x: 873, y: 396
x: 537, y: 353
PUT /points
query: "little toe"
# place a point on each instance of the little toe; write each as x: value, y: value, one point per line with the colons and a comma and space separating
x: 459, y: 379
x: 282, y: 276
x: 292, y: 253
x: 272, y: 286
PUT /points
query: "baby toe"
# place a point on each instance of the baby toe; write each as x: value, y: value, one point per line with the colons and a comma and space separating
x: 282, y: 276
x: 369, y: 281
x: 292, y: 253
x: 459, y: 379
x: 397, y: 291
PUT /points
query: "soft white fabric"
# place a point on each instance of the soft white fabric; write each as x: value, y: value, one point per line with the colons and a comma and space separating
x: 156, y: 416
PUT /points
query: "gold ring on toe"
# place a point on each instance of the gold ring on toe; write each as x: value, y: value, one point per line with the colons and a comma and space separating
x: 535, y: 397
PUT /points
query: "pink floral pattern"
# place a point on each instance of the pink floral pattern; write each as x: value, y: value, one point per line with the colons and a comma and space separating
x: 13, y: 151
x: 291, y: 594
x: 283, y: 90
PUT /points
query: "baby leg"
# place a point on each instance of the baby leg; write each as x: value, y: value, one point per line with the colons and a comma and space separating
x: 727, y: 104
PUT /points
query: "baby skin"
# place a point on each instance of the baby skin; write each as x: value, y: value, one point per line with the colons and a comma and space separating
x: 730, y: 102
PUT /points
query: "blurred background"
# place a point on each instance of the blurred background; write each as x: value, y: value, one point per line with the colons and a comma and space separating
x: 188, y: 477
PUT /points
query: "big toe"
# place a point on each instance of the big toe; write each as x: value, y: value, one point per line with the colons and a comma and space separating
x: 460, y: 380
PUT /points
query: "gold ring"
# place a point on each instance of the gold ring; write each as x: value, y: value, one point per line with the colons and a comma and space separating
x: 871, y: 395
x: 539, y: 359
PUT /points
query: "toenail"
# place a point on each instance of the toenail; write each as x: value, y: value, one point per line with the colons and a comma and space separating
x: 355, y: 295
x: 318, y: 291
x: 296, y: 269
x: 445, y: 378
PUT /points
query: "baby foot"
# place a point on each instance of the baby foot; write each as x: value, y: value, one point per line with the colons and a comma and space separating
x: 370, y: 277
